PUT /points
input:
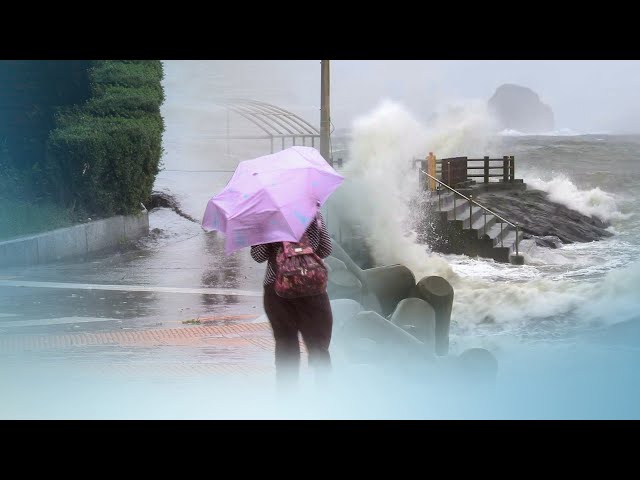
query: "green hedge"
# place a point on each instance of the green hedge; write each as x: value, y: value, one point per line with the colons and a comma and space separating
x: 20, y: 212
x: 104, y: 155
x: 106, y: 164
x: 10, y: 186
x: 125, y: 101
x: 143, y: 73
x: 30, y: 92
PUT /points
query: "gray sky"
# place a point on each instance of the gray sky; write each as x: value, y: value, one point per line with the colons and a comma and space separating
x: 586, y: 96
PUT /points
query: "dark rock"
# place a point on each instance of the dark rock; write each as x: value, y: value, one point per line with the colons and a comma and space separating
x: 544, y: 220
x: 550, y: 241
x: 519, y: 108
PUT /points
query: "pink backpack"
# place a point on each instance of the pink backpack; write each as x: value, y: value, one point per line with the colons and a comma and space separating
x: 300, y: 272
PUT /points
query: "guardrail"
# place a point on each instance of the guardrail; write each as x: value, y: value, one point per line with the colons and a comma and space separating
x: 485, y: 209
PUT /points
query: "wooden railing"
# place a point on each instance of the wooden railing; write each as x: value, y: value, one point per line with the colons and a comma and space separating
x: 454, y: 171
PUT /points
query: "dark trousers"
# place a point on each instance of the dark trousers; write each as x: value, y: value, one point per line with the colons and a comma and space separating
x: 312, y: 317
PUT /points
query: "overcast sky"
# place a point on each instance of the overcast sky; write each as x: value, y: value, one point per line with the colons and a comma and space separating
x: 586, y: 96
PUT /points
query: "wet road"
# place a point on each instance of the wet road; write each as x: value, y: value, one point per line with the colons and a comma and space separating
x: 170, y: 308
x: 106, y: 338
x: 177, y: 274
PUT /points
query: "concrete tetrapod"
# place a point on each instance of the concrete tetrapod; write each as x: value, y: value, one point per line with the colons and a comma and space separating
x: 438, y: 293
x: 418, y: 318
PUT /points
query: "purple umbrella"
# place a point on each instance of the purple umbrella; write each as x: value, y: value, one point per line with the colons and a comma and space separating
x: 272, y: 198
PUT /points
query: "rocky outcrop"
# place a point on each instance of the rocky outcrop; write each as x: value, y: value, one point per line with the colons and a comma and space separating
x: 520, y: 108
x: 541, y: 218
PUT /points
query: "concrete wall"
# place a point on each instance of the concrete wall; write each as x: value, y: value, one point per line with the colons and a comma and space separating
x: 76, y: 241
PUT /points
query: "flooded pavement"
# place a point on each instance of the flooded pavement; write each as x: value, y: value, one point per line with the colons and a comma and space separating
x: 132, y: 333
x: 171, y: 306
x: 179, y: 273
x: 155, y: 373
x: 169, y: 313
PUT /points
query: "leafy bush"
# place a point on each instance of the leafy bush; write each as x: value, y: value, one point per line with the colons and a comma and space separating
x: 125, y: 101
x: 89, y: 144
x: 105, y: 154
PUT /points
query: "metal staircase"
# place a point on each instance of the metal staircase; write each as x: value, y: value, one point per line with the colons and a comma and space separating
x: 460, y: 225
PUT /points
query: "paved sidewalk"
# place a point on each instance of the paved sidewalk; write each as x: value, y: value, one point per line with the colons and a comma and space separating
x: 240, y: 348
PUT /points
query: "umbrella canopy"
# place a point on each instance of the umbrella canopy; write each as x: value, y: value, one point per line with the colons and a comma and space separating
x: 272, y: 198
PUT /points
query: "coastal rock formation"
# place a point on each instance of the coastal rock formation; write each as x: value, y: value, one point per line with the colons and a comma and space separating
x: 540, y: 217
x: 520, y: 108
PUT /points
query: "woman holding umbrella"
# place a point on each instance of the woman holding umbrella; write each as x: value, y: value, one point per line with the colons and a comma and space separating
x: 272, y: 204
x: 309, y: 315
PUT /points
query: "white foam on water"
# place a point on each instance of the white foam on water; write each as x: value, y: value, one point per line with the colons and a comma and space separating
x: 592, y: 202
x: 380, y: 182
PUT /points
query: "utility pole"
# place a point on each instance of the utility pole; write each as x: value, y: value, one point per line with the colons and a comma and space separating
x: 325, y: 123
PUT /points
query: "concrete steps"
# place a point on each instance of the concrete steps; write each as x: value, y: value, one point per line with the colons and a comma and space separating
x: 470, y: 230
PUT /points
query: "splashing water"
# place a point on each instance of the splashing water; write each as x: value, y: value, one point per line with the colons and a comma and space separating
x: 381, y: 181
x: 593, y: 202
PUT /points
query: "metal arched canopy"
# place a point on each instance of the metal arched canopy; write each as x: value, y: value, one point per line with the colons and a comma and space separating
x: 275, y: 122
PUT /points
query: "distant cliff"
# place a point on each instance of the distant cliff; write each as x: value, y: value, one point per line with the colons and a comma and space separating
x: 520, y: 108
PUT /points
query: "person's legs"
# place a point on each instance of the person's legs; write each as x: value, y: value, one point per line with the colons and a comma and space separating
x: 282, y: 317
x: 315, y: 321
